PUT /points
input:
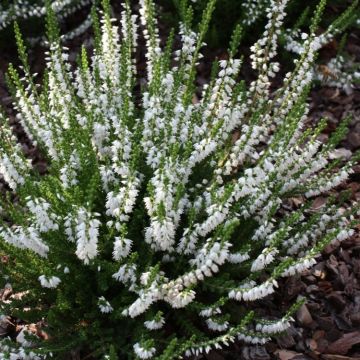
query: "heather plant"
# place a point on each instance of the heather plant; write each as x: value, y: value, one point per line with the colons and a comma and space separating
x: 162, y: 216
x: 228, y: 13
x: 341, y: 70
x: 32, y: 10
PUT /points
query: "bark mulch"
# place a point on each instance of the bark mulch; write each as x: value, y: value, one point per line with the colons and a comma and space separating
x: 328, y: 326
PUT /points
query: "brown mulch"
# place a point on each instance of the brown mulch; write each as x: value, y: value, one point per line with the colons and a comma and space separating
x: 328, y: 326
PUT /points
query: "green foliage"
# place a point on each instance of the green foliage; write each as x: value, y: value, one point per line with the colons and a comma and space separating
x: 161, y: 216
x: 229, y: 13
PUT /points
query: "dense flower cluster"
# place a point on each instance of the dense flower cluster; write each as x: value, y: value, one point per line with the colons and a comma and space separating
x: 340, y: 73
x: 251, y: 12
x: 254, y: 9
x: 159, y: 210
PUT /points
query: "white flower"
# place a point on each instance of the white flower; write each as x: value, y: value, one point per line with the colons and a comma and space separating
x: 249, y: 292
x: 25, y: 238
x: 87, y: 232
x: 68, y: 173
x: 104, y: 305
x: 144, y: 353
x: 140, y: 305
x: 122, y: 248
x: 155, y: 324
x: 299, y: 267
x: 49, y: 282
x: 180, y: 299
x: 238, y: 258
x: 161, y: 233
x: 273, y: 328
x: 9, y: 168
x: 126, y: 273
x: 345, y: 234
x: 217, y: 326
x: 20, y: 338
x: 264, y: 259
x: 253, y: 339
x: 304, y: 36
x: 45, y: 220
x: 209, y: 312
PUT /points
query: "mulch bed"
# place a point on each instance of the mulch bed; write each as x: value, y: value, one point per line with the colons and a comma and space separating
x: 328, y: 325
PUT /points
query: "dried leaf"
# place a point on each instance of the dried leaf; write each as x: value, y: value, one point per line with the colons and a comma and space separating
x: 286, y: 354
x: 339, y: 357
x: 345, y: 343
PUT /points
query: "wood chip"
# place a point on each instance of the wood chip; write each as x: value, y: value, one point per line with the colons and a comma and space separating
x: 303, y: 315
x: 344, y: 344
x: 286, y: 354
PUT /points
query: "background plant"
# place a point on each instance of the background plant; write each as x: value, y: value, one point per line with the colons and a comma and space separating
x: 161, y: 218
x: 253, y: 12
x: 340, y: 71
x: 31, y: 14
